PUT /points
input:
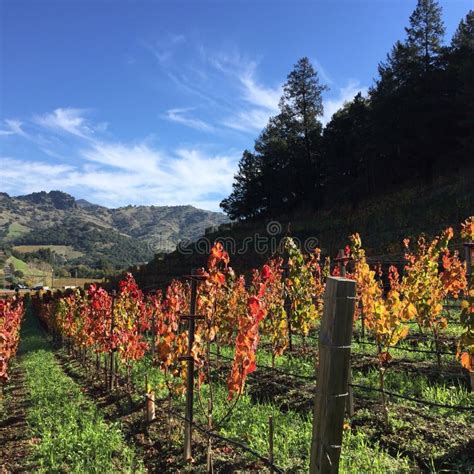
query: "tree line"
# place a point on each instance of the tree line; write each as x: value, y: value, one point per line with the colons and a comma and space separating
x: 416, y: 122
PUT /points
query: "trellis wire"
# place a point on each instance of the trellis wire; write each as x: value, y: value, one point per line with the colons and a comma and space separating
x: 367, y: 388
x: 413, y: 399
x: 234, y: 442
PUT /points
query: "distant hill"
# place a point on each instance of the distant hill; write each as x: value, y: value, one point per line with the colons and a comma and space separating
x: 83, y: 233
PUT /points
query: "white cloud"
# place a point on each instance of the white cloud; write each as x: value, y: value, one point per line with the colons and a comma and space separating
x: 34, y: 170
x: 252, y: 120
x: 14, y: 127
x: 323, y: 74
x: 164, y: 49
x: 125, y: 157
x: 139, y: 174
x: 346, y: 94
x: 68, y: 120
x: 115, y: 174
x: 179, y: 116
x: 260, y: 102
x: 256, y: 94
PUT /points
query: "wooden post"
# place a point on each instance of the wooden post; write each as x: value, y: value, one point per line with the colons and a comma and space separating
x: 350, y: 397
x: 340, y: 259
x: 190, y: 375
x: 149, y: 402
x: 469, y: 254
x: 334, y: 364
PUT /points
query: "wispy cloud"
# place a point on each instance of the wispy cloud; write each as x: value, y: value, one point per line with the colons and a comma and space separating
x: 256, y: 94
x: 226, y: 81
x: 13, y: 127
x: 165, y: 48
x: 67, y: 120
x: 322, y: 72
x: 249, y: 121
x: 345, y: 94
x: 257, y: 101
x: 32, y: 171
x: 180, y: 116
x: 114, y: 173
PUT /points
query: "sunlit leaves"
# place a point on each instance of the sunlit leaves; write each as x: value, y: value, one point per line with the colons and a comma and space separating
x: 304, y: 288
x: 11, y: 313
x: 467, y: 306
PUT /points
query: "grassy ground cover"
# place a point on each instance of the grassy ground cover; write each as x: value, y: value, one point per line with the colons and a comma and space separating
x: 70, y: 433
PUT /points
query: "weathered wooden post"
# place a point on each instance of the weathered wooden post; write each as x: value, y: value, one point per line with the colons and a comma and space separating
x: 341, y: 262
x: 342, y: 258
x: 149, y: 402
x: 191, y: 318
x: 469, y: 254
x: 333, y: 373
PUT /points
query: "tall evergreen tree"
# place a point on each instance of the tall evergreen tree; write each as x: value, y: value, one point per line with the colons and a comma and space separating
x: 409, y: 99
x: 286, y: 171
x: 246, y: 189
x: 302, y: 107
x: 426, y: 32
x: 347, y: 152
x: 463, y: 38
x: 460, y: 78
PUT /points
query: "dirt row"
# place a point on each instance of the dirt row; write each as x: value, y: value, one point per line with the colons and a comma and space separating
x: 15, y: 440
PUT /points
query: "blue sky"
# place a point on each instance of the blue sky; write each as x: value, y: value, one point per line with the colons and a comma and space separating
x: 153, y: 102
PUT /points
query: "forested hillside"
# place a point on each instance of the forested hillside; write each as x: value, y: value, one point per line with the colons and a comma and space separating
x: 396, y: 162
x: 416, y: 123
x: 77, y: 236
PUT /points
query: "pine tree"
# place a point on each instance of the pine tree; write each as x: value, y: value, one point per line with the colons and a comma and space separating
x: 301, y: 107
x: 460, y: 74
x: 244, y: 200
x: 347, y: 151
x: 426, y: 31
x: 463, y: 38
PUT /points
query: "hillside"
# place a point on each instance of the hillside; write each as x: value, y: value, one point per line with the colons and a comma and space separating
x: 382, y: 221
x: 79, y: 233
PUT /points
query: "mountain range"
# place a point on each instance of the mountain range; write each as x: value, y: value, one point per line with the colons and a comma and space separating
x: 82, y: 233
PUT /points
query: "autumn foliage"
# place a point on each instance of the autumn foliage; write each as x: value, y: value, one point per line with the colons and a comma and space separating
x: 11, y: 314
x: 283, y: 297
x: 467, y: 306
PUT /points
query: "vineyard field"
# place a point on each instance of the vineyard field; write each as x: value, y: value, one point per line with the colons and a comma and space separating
x: 231, y: 243
x: 252, y: 349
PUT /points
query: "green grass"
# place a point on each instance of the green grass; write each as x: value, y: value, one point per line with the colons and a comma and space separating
x: 249, y: 423
x: 15, y: 230
x: 27, y: 270
x: 73, y: 436
x: 19, y: 264
x: 292, y: 437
